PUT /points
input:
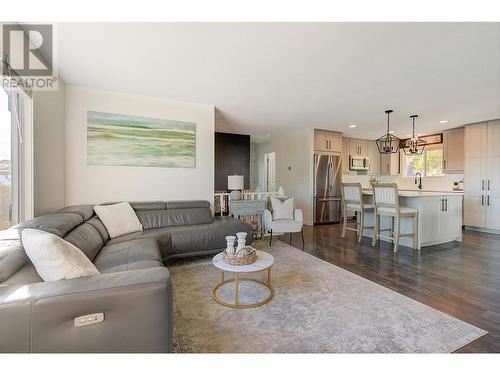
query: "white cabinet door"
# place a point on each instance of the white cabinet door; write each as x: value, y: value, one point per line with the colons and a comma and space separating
x: 475, y: 175
x: 358, y: 147
x: 453, y: 150
x: 493, y: 177
x: 389, y: 164
x: 334, y: 141
x: 320, y: 141
x: 345, y: 156
x: 373, y: 158
x: 451, y: 217
x: 430, y: 218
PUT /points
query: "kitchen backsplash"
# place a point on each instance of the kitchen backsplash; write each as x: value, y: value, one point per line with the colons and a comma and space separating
x: 439, y: 183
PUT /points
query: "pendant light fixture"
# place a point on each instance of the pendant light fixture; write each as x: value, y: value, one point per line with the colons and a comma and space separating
x: 414, y: 145
x: 388, y: 143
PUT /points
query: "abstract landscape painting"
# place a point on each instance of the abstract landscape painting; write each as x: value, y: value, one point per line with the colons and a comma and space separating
x: 114, y: 139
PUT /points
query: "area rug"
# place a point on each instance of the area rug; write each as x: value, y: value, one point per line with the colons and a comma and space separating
x: 317, y: 308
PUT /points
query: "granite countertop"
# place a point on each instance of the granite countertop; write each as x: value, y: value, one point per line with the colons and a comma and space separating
x: 421, y: 193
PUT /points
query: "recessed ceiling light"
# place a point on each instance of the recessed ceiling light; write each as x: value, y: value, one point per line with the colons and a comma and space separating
x: 352, y: 126
x: 443, y: 121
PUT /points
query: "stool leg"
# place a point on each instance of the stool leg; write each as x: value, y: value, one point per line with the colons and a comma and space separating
x: 360, y: 228
x: 271, y: 238
x: 415, y: 231
x: 375, y: 229
x: 392, y: 229
x: 396, y: 234
x: 344, y: 226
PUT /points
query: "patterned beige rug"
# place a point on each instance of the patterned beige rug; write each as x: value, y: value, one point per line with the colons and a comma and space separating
x: 317, y: 307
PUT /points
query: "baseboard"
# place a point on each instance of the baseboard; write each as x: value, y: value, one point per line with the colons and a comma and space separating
x: 484, y: 230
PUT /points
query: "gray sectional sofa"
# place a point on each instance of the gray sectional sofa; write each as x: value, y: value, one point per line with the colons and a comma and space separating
x: 133, y: 291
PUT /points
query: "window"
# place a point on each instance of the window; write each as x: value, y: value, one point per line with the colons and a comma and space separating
x: 430, y: 163
x: 16, y: 197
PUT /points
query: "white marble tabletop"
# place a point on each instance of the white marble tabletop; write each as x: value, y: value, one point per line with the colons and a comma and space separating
x: 263, y: 262
x: 420, y: 193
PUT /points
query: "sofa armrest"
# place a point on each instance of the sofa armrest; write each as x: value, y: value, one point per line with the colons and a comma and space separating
x: 137, y: 308
x: 268, y: 218
x: 298, y: 215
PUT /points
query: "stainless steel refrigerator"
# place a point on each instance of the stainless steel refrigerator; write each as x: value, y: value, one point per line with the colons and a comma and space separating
x: 327, y: 193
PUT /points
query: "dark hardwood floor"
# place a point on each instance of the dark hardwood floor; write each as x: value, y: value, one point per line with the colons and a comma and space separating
x: 461, y: 279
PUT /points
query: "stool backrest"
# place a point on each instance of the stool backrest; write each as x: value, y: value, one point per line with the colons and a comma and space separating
x: 352, y: 193
x: 385, y: 195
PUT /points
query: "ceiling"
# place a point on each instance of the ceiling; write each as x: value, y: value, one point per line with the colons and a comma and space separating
x: 266, y: 77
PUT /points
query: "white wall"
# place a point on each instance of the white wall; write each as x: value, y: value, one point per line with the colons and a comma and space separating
x: 48, y: 149
x: 257, y: 163
x: 96, y: 184
x: 294, y: 149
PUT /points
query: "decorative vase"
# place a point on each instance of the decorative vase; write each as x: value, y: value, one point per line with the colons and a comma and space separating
x: 240, y: 250
x: 230, y: 245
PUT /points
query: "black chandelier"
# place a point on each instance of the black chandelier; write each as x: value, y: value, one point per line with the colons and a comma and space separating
x: 388, y: 143
x: 414, y: 145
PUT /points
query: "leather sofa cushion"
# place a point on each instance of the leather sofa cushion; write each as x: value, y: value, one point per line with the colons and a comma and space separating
x: 58, y: 224
x: 126, y: 253
x: 12, y: 257
x: 98, y: 224
x: 140, y: 206
x: 27, y: 274
x: 228, y: 226
x: 188, y: 204
x: 85, y: 210
x: 87, y: 239
x: 154, y: 219
x: 143, y: 264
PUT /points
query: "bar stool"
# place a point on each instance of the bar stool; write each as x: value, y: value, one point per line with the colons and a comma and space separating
x: 352, y: 200
x: 386, y: 201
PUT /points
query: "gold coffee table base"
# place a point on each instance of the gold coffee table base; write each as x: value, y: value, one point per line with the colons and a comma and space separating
x: 236, y: 280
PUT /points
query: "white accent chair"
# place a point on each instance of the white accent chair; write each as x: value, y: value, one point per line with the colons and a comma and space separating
x: 352, y: 200
x: 290, y: 226
x: 386, y: 201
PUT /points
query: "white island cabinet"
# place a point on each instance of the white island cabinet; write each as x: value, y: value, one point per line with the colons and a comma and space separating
x: 439, y: 217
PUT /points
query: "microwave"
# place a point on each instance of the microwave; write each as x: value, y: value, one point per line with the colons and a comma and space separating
x: 358, y: 163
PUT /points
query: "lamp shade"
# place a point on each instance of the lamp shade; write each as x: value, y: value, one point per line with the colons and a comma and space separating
x: 235, y: 182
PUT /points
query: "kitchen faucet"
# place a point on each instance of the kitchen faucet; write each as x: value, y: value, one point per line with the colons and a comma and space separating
x: 420, y: 180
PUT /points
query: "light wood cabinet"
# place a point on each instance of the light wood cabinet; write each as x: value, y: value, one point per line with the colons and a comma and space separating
x: 345, y: 156
x: 326, y: 141
x: 453, y: 151
x: 389, y: 164
x: 441, y: 219
x: 493, y: 176
x: 482, y: 175
x: 374, y: 158
x: 358, y: 147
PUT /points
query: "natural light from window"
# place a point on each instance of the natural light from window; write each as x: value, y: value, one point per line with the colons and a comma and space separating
x: 430, y: 163
x: 5, y: 162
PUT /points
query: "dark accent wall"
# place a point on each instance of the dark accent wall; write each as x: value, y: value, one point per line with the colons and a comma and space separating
x: 232, y: 156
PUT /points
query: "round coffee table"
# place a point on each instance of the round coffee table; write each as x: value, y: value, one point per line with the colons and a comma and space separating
x: 264, y: 262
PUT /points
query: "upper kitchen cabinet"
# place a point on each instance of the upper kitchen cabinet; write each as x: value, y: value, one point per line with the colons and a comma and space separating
x: 453, y: 150
x: 358, y: 147
x: 389, y: 164
x: 327, y: 141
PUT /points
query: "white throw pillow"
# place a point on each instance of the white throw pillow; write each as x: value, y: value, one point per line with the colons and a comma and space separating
x: 282, y: 210
x: 55, y: 258
x: 119, y: 219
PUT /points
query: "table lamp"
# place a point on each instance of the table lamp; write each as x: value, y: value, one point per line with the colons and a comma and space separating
x: 235, y: 184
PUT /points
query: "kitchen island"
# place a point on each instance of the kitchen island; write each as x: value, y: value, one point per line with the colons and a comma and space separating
x: 439, y: 217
